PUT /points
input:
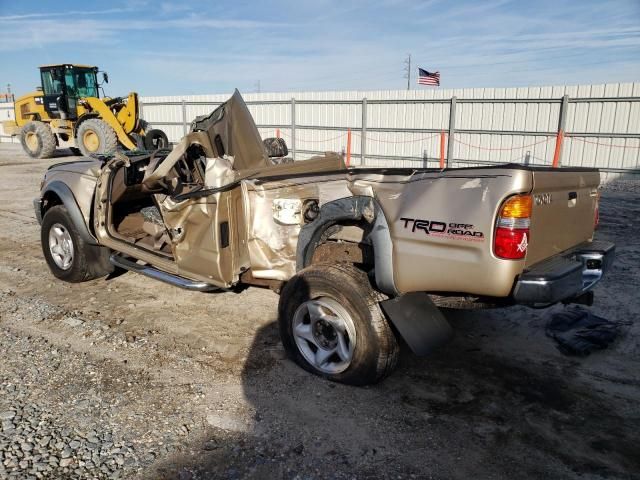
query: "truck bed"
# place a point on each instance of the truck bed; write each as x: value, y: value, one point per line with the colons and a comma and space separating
x: 462, y: 259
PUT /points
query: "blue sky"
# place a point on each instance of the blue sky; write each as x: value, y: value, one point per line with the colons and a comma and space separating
x: 174, y: 48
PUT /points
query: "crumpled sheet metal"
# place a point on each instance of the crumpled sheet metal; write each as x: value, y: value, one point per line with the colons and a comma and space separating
x: 272, y: 246
x: 238, y: 133
x: 332, y: 191
x: 152, y: 178
x: 219, y: 172
x: 192, y: 240
x: 177, y: 214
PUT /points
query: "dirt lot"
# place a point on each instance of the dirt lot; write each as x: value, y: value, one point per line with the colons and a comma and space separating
x: 131, y: 378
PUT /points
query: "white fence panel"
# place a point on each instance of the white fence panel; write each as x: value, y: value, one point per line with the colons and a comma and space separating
x: 403, y: 128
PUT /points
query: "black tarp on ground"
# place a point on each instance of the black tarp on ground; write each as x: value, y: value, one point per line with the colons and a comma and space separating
x: 579, y: 332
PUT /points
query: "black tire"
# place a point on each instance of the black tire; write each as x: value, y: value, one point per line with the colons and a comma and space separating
x: 155, y: 139
x: 37, y: 140
x: 89, y: 261
x: 375, y: 353
x: 95, y: 136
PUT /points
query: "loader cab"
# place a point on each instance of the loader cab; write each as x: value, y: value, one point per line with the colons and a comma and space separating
x: 64, y: 85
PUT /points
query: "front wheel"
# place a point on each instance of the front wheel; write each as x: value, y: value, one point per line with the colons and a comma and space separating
x: 331, y: 324
x: 68, y: 256
x: 95, y: 136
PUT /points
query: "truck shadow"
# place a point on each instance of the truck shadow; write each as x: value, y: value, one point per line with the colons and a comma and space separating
x: 473, y: 408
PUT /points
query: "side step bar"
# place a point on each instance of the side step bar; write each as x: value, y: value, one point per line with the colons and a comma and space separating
x: 149, y: 271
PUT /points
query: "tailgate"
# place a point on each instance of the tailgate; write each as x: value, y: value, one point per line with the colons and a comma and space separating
x: 563, y: 214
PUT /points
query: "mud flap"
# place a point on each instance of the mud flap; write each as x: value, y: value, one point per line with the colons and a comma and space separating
x: 419, y: 321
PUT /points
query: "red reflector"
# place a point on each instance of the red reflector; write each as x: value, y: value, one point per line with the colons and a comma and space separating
x: 511, y: 243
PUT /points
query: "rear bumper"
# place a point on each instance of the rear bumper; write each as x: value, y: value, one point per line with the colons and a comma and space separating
x: 566, y: 275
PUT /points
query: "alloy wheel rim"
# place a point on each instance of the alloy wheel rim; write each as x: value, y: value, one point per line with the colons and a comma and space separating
x: 61, y: 246
x: 325, y: 334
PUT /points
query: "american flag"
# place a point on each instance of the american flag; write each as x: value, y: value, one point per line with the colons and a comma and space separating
x: 428, y: 78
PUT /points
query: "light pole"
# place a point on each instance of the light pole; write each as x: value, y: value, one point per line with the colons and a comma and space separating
x: 407, y: 70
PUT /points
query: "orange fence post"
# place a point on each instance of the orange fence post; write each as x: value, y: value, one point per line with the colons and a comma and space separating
x: 442, y: 149
x: 277, y: 133
x: 556, y: 154
x: 348, y: 147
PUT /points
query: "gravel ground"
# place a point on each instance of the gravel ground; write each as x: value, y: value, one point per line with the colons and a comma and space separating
x: 130, y: 378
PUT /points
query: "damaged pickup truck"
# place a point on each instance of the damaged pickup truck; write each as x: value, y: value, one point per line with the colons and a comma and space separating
x: 361, y: 257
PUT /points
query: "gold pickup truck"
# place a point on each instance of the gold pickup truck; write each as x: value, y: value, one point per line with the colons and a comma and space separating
x: 359, y: 256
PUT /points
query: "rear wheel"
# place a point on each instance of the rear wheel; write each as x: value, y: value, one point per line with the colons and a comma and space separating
x: 95, y: 136
x: 68, y: 256
x: 37, y: 140
x: 331, y: 324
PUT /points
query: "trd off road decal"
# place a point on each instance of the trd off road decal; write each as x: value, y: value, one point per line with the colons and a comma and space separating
x: 452, y: 230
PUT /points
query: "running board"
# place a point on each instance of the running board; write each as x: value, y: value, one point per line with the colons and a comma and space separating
x: 151, y: 272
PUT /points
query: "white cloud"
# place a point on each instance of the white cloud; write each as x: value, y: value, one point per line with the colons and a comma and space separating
x: 37, y: 32
x: 27, y: 16
x: 171, y: 8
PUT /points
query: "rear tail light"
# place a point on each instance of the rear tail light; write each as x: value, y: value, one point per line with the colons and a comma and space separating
x: 512, y: 229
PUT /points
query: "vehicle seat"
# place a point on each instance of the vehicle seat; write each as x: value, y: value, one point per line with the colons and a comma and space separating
x: 277, y: 150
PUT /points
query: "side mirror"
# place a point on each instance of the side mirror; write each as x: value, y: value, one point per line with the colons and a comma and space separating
x: 105, y: 77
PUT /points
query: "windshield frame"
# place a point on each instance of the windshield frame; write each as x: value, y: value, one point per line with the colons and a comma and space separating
x: 91, y: 82
x: 65, y: 79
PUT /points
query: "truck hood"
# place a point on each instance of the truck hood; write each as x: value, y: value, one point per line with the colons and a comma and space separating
x: 89, y: 167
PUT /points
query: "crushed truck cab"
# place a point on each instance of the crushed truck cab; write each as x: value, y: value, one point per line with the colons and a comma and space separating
x: 350, y: 250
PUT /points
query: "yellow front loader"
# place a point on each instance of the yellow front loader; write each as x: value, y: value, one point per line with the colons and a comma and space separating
x: 67, y: 112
